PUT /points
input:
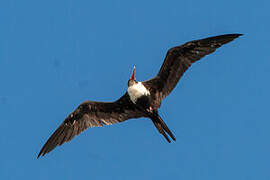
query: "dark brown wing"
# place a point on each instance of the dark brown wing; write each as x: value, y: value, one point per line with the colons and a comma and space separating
x: 91, y: 114
x: 178, y: 60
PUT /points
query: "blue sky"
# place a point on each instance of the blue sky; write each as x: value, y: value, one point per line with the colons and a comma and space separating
x: 56, y: 54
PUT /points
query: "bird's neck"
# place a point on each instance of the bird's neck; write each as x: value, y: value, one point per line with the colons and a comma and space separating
x: 136, y: 91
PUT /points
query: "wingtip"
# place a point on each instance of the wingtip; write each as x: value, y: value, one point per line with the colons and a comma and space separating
x: 233, y: 36
x: 40, y: 155
x: 238, y: 34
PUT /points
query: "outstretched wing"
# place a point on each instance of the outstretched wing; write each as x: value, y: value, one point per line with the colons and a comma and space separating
x: 91, y: 114
x: 178, y: 60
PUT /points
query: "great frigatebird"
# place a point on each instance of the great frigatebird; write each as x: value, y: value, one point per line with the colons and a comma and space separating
x: 142, y: 99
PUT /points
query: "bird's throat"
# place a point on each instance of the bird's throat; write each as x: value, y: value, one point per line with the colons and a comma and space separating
x: 136, y: 91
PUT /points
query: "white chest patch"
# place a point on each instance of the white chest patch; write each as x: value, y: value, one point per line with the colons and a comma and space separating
x: 136, y: 91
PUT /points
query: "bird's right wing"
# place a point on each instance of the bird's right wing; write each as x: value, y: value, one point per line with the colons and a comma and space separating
x: 178, y: 60
x: 91, y: 114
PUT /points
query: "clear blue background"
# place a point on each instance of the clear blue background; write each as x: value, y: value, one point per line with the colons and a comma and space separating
x: 56, y: 54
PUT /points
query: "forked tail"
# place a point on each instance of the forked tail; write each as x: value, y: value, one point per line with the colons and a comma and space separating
x: 162, y: 127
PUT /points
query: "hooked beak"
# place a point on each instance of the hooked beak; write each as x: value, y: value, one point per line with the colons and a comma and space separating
x: 133, y: 74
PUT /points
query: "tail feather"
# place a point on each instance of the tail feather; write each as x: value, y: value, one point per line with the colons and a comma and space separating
x: 165, y: 127
x: 161, y: 131
x: 162, y: 127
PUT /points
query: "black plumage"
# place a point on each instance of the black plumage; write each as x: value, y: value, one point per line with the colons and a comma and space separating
x: 178, y: 60
x: 91, y: 114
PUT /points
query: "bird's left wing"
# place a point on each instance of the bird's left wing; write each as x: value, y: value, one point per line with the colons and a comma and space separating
x: 91, y: 114
x: 178, y: 60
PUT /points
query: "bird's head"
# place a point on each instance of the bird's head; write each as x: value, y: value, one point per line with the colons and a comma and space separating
x: 132, y: 79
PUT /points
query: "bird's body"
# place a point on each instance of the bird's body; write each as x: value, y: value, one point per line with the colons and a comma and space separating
x: 142, y: 99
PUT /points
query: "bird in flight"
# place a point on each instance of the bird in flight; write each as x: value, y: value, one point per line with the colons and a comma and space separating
x: 142, y: 99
